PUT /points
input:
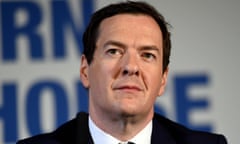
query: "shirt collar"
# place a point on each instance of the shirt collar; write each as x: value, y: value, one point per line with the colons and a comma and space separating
x: 100, y: 137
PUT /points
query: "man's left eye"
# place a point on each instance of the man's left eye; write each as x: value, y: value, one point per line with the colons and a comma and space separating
x: 148, y: 56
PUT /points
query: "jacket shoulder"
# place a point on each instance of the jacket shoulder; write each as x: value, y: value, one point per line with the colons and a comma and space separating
x: 182, y: 134
x: 56, y: 137
x: 66, y: 133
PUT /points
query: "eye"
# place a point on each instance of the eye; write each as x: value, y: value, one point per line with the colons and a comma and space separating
x: 114, y: 52
x: 148, y: 56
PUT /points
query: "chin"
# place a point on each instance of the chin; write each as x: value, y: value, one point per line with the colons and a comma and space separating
x: 129, y: 113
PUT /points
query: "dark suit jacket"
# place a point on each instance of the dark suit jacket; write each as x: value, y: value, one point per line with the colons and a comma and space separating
x: 164, y: 131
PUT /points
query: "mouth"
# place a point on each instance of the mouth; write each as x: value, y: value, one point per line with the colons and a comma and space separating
x: 128, y: 85
x: 129, y: 88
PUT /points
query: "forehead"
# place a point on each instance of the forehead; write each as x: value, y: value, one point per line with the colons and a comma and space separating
x: 131, y: 26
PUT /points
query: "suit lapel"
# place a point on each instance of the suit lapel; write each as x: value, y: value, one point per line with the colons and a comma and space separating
x: 83, y: 134
x: 160, y: 135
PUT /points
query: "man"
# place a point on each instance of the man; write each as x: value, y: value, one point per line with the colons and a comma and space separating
x: 124, y: 66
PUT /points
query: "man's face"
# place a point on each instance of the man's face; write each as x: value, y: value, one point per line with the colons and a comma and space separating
x: 125, y: 76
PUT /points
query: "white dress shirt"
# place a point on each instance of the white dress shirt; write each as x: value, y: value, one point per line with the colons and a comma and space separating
x: 101, y: 137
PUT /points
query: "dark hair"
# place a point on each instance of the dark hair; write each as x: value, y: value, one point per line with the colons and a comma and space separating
x: 129, y: 7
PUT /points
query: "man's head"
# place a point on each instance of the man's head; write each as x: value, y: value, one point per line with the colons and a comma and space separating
x: 124, y: 64
x: 92, y: 32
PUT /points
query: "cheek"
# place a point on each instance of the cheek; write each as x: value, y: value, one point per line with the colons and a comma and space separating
x: 153, y: 81
x: 100, y: 77
x: 97, y: 89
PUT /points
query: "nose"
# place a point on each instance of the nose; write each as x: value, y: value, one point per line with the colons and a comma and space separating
x: 130, y: 65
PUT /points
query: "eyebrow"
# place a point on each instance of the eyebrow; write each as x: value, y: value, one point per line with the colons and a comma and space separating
x: 119, y: 44
x: 150, y: 47
x: 114, y: 43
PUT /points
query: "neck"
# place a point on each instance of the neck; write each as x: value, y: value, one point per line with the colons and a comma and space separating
x: 121, y: 126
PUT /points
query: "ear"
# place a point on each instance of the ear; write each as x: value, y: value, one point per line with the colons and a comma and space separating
x: 84, y: 71
x: 163, y: 82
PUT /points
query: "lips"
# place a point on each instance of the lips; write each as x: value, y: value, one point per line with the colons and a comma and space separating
x: 129, y: 87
